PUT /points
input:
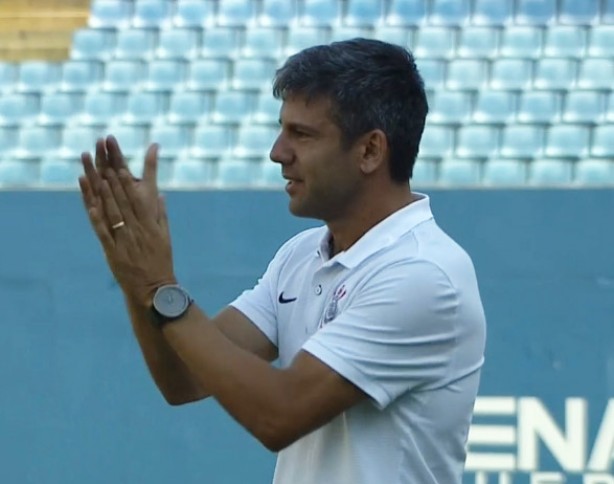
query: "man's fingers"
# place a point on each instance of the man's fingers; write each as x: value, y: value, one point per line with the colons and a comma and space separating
x: 101, y: 156
x: 122, y: 199
x: 90, y: 172
x: 150, y: 169
x: 100, y: 227
x: 115, y: 156
x: 113, y: 214
x: 141, y: 210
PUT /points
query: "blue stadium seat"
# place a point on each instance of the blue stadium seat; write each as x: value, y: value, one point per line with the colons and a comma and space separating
x: 211, y: 141
x: 522, y: 141
x: 467, y: 74
x: 165, y: 75
x: 437, y: 141
x: 493, y: 107
x: 320, y: 12
x: 188, y: 172
x: 392, y: 34
x: 555, y: 74
x: 492, y: 12
x: 238, y: 173
x: 278, y: 13
x: 123, y: 76
x: 92, y: 44
x: 235, y: 13
x: 37, y: 141
x: 578, y: 12
x: 188, y: 107
x: 344, y: 32
x: 607, y: 12
x: 58, y: 108
x: 510, y: 74
x: 15, y: 174
x: 165, y: 170
x: 231, y: 106
x: 432, y: 42
x: 425, y: 173
x: 254, y: 141
x: 101, y: 108
x: 194, y: 13
x: 300, y: 38
x: 601, y: 40
x: 267, y: 109
x: 178, y: 44
x: 538, y: 107
x: 262, y: 42
x: 8, y: 139
x: 132, y: 139
x: 18, y: 109
x: 594, y: 172
x: 135, y: 44
x: 364, y: 13
x: 583, y: 107
x: 406, y: 12
x: 115, y: 14
x: 535, y: 11
x: 152, y: 13
x: 550, y: 172
x: 460, y: 172
x: 432, y: 71
x: 565, y: 41
x: 476, y: 141
x: 143, y: 108
x: 567, y: 141
x: 253, y: 74
x: 38, y: 76
x: 271, y: 174
x: 220, y: 42
x: 208, y: 74
x: 8, y: 76
x: 610, y: 108
x: 504, y: 173
x: 449, y: 107
x: 521, y: 41
x: 477, y: 42
x: 596, y: 74
x: 449, y: 12
x: 173, y: 139
x: 603, y: 141
x: 56, y: 172
x: 78, y: 139
x: 80, y: 76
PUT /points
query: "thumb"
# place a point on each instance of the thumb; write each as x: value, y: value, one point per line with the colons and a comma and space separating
x: 162, y: 213
x: 150, y: 168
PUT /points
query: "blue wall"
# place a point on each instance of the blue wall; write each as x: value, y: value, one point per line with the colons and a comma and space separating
x: 76, y: 401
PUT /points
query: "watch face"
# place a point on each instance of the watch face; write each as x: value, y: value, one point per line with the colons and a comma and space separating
x: 171, y: 301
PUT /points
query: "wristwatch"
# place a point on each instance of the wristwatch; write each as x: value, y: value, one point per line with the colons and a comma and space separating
x: 170, y: 303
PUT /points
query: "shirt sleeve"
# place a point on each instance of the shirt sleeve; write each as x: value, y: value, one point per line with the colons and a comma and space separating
x: 396, y: 334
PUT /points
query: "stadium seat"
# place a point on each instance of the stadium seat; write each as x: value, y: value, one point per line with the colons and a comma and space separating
x: 78, y: 139
x: 262, y: 42
x: 505, y: 173
x: 8, y: 139
x: 300, y: 38
x: 38, y: 76
x: 432, y: 71
x: 601, y: 40
x: 188, y: 107
x: 538, y: 107
x: 492, y: 12
x: 152, y: 13
x: 18, y: 109
x: 80, y: 76
x: 235, y: 13
x: 231, y: 106
x: 253, y: 74
x: 220, y: 42
x: 406, y: 12
x: 603, y: 141
x: 467, y: 74
x: 271, y: 174
x: 610, y: 108
x: 392, y: 34
x: 15, y: 174
x: 164, y: 174
x: 188, y: 172
x: 550, y: 172
x: 194, y: 13
x: 437, y: 141
x: 521, y: 41
x: 565, y: 41
x: 55, y: 172
x: 460, y: 172
x: 596, y: 74
x: 122, y: 75
x: 211, y: 141
x: 344, y: 32
x: 92, y: 44
x: 554, y: 74
x: 37, y: 141
x: 510, y: 74
x: 449, y: 107
x: 320, y: 13
x: 143, y: 108
x: 237, y: 173
x: 254, y: 141
x: 278, y: 13
x: 208, y: 74
x: 567, y: 141
x: 173, y: 139
x: 58, y: 108
x: 522, y: 141
x: 594, y: 172
x: 178, y: 44
x: 493, y: 107
x: 578, y: 12
x: 425, y: 173
x: 475, y: 141
x: 607, y: 13
x: 583, y: 107
x: 8, y: 76
x: 539, y: 12
x: 363, y: 13
x: 114, y: 14
x: 101, y: 108
x: 132, y: 139
x: 477, y: 42
x: 267, y: 109
x: 135, y: 44
x: 165, y: 75
x: 433, y: 42
x: 449, y: 12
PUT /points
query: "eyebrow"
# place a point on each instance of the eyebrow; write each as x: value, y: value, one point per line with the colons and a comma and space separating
x: 299, y: 126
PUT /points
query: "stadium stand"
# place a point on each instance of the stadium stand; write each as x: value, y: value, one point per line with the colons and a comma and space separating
x: 520, y: 90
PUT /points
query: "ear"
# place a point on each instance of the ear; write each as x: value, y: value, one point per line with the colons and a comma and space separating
x: 374, y: 151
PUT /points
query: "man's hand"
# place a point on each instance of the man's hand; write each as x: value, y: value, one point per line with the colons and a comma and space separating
x: 129, y: 219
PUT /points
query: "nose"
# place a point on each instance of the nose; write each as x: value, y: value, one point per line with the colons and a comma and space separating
x: 281, y: 151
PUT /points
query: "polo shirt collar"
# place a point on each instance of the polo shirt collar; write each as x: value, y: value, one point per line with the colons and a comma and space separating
x: 382, y: 235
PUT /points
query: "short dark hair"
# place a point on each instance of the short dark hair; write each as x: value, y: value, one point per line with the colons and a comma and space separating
x: 372, y: 85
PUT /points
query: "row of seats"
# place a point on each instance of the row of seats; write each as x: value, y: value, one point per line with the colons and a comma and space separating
x: 212, y: 141
x: 209, y: 74
x: 240, y: 107
x: 186, y: 172
x: 273, y: 42
x: 161, y: 13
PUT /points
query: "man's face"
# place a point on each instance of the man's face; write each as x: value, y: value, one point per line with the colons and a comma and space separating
x: 323, y: 177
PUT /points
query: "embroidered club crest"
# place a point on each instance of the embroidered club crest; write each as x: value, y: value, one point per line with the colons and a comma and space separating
x: 333, y: 307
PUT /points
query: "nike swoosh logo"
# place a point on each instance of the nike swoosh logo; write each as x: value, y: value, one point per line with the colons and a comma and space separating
x: 284, y: 300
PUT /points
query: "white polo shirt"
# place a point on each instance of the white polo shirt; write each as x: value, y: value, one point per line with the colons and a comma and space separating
x: 399, y: 315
